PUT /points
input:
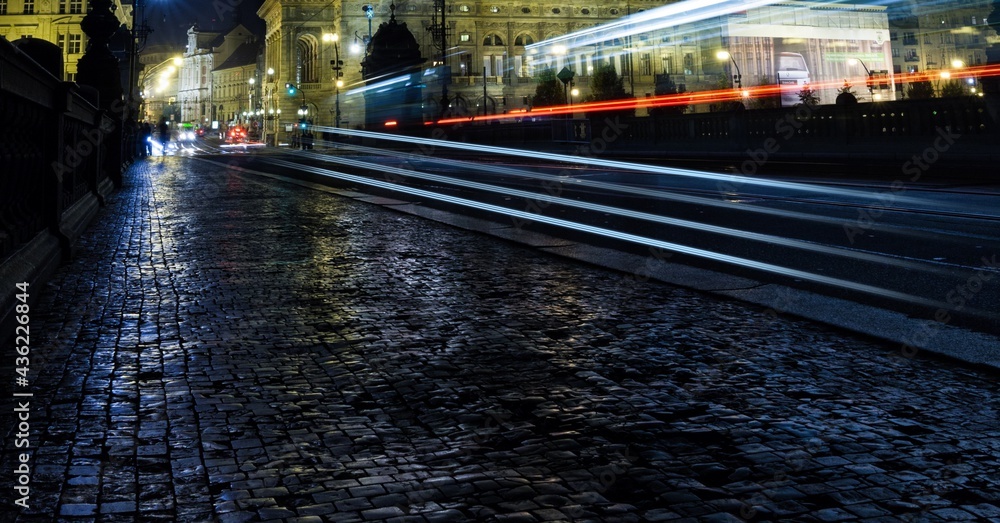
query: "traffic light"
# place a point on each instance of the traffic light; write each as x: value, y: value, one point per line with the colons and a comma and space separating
x: 291, y: 88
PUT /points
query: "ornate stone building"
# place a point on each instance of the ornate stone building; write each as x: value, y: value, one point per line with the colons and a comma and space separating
x: 56, y: 21
x: 205, y: 51
x: 931, y: 36
x: 486, y: 49
x: 496, y: 48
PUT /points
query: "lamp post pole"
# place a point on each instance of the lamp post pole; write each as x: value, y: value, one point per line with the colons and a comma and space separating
x: 337, y: 65
x: 738, y: 77
x: 871, y: 91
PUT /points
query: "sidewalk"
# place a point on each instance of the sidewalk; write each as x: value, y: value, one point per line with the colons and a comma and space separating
x: 230, y: 348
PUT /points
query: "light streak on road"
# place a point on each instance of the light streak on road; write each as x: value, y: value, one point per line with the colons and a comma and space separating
x: 627, y: 213
x: 617, y: 164
x: 610, y: 187
x: 604, y: 232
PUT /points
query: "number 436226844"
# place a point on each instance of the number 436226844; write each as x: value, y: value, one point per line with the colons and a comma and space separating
x: 22, y: 331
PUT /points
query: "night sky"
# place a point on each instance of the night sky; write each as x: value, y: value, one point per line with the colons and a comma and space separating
x: 170, y: 19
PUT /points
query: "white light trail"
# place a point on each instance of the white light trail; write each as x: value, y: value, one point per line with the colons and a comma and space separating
x: 607, y: 233
x: 617, y: 187
x: 627, y: 213
x: 634, y: 167
x: 672, y: 15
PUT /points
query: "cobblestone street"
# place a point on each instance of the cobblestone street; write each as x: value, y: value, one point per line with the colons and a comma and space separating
x: 231, y: 348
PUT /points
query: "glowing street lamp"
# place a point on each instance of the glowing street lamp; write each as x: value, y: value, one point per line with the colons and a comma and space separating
x: 737, y: 78
x: 337, y: 65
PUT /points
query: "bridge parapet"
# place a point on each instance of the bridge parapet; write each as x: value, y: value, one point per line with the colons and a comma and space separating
x: 53, y: 143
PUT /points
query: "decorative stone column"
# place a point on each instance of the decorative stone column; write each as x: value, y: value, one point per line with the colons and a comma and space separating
x: 98, y: 69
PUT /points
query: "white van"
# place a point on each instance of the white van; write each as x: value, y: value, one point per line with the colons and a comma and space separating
x: 792, y: 71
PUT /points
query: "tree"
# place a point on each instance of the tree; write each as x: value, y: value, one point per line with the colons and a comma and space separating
x: 808, y: 96
x: 920, y: 90
x: 666, y: 86
x: 846, y: 95
x: 847, y: 89
x: 549, y: 90
x: 953, y: 89
x: 605, y: 85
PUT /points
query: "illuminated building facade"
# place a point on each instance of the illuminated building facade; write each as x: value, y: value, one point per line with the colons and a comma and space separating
x: 235, y: 86
x: 56, y: 21
x: 496, y: 49
x: 205, y: 51
x: 932, y: 36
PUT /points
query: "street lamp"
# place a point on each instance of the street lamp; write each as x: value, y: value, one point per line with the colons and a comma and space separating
x: 337, y: 65
x: 971, y: 81
x: 163, y: 71
x: 737, y: 78
x: 573, y: 94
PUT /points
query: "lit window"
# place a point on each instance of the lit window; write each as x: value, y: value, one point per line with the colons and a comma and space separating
x: 75, y: 44
x: 464, y: 37
x: 495, y: 9
x: 464, y: 8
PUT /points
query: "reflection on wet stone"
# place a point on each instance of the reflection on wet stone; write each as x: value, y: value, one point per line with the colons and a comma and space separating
x: 263, y: 352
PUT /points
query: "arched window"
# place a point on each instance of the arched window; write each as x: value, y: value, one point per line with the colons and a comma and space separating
x: 524, y: 40
x: 307, y: 59
x: 493, y: 39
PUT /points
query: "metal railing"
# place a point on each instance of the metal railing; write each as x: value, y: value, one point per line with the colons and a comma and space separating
x: 53, y: 147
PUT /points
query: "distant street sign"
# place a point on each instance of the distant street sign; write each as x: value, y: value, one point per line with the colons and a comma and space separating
x: 566, y: 75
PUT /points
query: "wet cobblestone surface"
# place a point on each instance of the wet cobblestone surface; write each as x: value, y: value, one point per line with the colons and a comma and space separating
x: 228, y: 348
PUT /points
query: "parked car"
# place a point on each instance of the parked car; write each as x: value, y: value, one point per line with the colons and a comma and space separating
x: 792, y: 71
